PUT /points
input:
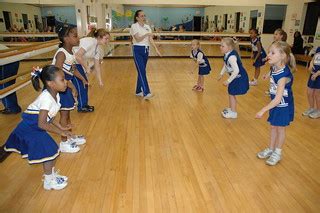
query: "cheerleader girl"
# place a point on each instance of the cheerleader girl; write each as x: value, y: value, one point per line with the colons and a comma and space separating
x: 278, y: 35
x: 31, y: 138
x: 204, y: 66
x: 64, y: 59
x: 258, y: 54
x: 238, y: 82
x: 313, y: 91
x: 281, y: 107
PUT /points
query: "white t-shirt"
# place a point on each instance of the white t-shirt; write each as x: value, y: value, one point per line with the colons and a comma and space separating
x: 45, y: 101
x: 68, y: 62
x: 90, y: 45
x: 136, y: 28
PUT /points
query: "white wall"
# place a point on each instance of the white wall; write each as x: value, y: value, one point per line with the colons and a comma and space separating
x: 231, y: 11
x: 295, y: 11
x: 16, y: 14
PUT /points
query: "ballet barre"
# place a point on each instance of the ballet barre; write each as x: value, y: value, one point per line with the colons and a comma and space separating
x: 28, y: 35
x: 15, y: 76
x: 13, y: 88
x: 203, y: 42
x: 20, y: 44
x: 187, y: 33
x: 10, y: 56
x: 27, y: 52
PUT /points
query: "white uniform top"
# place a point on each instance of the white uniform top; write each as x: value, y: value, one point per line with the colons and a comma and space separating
x: 68, y: 62
x: 199, y: 56
x: 90, y: 45
x: 45, y: 101
x: 231, y: 67
x: 316, y: 60
x: 136, y: 28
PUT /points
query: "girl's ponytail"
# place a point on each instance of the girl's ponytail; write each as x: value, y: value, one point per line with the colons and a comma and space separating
x: 48, y: 73
x: 292, y: 63
x: 35, y: 78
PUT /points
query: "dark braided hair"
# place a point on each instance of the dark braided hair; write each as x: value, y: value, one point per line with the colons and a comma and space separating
x: 64, y: 32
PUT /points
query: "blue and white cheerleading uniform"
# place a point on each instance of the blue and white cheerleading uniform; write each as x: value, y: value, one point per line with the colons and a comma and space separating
x: 240, y: 84
x: 254, y: 44
x: 204, y: 66
x: 316, y: 68
x: 66, y: 98
x: 283, y: 113
x: 28, y: 139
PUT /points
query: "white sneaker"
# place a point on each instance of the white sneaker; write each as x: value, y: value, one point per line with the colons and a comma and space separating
x: 54, y: 182
x: 265, y: 153
x: 225, y: 110
x: 254, y: 82
x: 308, y: 112
x: 315, y: 114
x: 148, y: 96
x: 78, y: 139
x: 56, y: 173
x: 273, y: 159
x: 140, y: 94
x: 229, y: 114
x: 69, y: 147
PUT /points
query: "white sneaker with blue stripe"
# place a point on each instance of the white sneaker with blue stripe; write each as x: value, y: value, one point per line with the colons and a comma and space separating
x: 68, y: 147
x: 54, y: 182
x: 78, y: 139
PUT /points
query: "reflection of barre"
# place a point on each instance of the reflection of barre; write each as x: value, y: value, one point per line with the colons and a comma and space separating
x: 19, y: 57
x: 20, y: 50
x: 243, y: 43
x: 29, y: 35
x: 14, y: 77
x: 207, y: 34
x: 13, y: 88
x: 20, y: 44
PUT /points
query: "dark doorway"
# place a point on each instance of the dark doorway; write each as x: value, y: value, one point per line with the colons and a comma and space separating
x: 225, y: 21
x: 36, y: 21
x: 253, y: 23
x: 7, y: 19
x: 25, y: 21
x: 237, y: 21
x: 216, y: 21
x: 311, y: 20
x: 197, y: 23
x: 51, y: 21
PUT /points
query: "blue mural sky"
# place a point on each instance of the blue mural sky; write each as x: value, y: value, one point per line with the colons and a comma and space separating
x: 158, y: 16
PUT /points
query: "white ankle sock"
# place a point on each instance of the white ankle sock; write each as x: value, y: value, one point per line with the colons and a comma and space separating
x: 278, y: 151
x: 47, y: 177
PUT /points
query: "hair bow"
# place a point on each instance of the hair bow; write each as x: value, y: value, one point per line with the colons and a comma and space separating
x: 36, y: 71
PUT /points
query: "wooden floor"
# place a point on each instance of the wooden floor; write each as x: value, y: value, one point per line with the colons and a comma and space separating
x: 174, y: 153
x: 176, y: 50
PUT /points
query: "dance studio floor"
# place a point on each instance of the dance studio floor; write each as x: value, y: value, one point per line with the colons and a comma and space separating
x: 174, y: 153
